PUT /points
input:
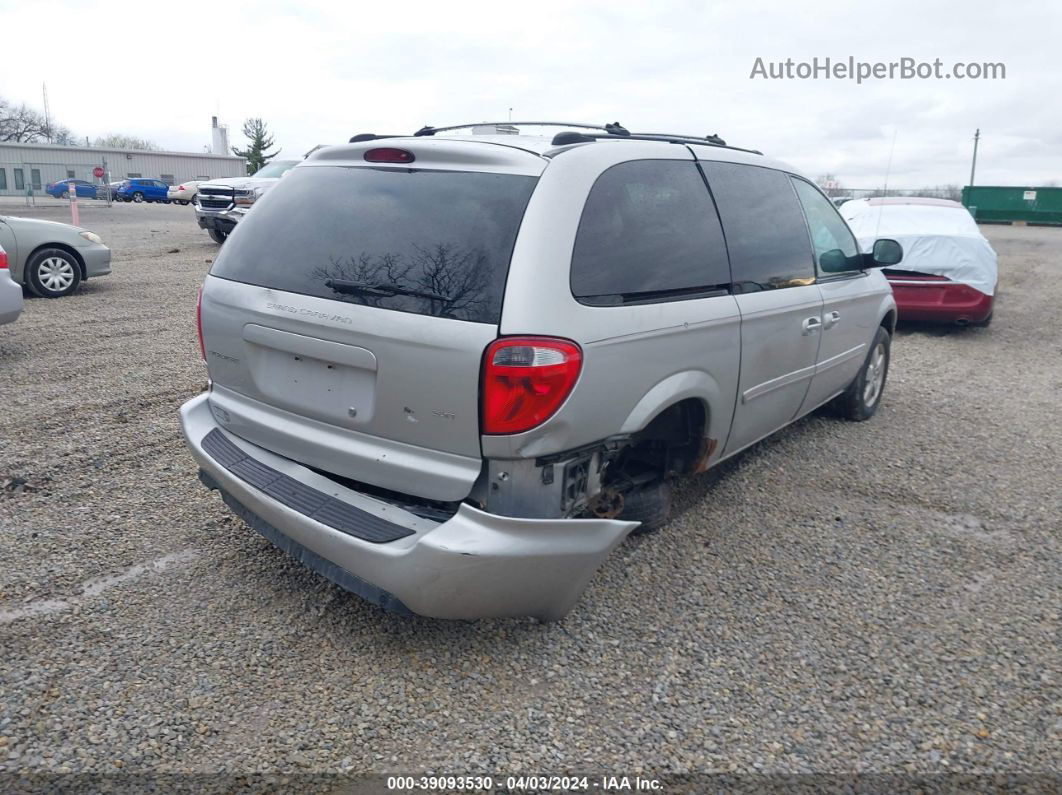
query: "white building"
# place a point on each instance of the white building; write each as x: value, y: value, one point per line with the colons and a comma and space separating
x: 24, y: 166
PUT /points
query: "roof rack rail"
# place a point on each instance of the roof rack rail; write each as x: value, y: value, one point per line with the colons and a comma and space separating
x: 567, y: 138
x: 711, y: 138
x: 612, y: 129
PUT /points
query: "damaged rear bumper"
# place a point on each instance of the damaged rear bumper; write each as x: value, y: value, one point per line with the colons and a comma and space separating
x: 474, y: 565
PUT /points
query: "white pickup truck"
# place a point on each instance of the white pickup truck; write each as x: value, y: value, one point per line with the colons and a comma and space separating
x: 221, y: 203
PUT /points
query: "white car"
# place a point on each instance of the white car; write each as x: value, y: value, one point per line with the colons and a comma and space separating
x: 10, y: 293
x: 183, y: 193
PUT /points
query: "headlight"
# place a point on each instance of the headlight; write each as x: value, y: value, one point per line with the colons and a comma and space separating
x: 245, y: 198
x: 92, y: 237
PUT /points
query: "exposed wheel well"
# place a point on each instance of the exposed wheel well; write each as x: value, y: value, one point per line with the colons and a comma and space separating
x: 672, y: 443
x: 62, y: 246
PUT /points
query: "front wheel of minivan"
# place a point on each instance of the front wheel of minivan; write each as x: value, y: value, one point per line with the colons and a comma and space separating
x: 862, y: 398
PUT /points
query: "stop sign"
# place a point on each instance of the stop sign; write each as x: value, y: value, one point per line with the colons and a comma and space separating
x: 97, y: 172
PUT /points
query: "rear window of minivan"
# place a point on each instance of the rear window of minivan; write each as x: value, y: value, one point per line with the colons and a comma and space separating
x: 410, y: 240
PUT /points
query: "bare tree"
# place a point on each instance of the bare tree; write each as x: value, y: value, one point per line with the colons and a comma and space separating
x: 123, y: 141
x: 21, y: 124
x: 63, y: 137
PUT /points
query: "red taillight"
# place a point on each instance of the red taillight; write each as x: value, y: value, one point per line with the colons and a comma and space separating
x: 3, y: 259
x: 180, y: 187
x: 388, y: 154
x: 199, y: 323
x: 525, y: 381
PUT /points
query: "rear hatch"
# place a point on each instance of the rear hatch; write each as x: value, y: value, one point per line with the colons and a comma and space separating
x: 345, y: 319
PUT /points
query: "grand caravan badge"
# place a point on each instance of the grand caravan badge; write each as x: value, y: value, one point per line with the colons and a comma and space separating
x: 309, y: 313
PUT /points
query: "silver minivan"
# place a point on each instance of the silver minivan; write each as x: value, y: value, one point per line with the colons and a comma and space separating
x: 452, y: 372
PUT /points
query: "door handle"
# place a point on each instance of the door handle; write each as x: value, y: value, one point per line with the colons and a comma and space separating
x: 831, y: 319
x: 811, y: 325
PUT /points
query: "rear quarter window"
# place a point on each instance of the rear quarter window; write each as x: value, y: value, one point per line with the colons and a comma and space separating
x: 649, y: 231
x: 410, y: 240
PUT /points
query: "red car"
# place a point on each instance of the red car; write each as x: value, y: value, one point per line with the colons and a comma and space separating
x: 949, y: 271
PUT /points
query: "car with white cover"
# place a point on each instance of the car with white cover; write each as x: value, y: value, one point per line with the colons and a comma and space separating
x: 949, y: 272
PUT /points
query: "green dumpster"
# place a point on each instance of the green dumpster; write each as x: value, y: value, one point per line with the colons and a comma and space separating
x: 1007, y: 204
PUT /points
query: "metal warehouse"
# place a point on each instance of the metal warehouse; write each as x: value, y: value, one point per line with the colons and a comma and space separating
x: 24, y: 166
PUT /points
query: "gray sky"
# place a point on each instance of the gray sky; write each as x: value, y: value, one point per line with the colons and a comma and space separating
x: 318, y: 72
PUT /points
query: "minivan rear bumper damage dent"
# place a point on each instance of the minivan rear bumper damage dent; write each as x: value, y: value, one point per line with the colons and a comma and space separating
x: 474, y: 565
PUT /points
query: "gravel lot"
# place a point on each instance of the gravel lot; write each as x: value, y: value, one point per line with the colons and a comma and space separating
x: 844, y: 597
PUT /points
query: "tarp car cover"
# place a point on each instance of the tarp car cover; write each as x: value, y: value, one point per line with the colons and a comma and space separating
x: 939, y: 237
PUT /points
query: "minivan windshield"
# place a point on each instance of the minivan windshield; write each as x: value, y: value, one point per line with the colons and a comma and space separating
x: 276, y: 168
x: 411, y: 240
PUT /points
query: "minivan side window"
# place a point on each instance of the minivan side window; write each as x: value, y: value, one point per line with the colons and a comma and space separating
x: 836, y: 250
x: 648, y: 232
x: 765, y: 230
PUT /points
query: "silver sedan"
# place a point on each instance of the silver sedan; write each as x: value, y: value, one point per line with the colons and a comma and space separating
x: 51, y: 258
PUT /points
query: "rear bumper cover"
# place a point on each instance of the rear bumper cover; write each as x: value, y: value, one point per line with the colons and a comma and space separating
x: 474, y: 565
x: 939, y: 301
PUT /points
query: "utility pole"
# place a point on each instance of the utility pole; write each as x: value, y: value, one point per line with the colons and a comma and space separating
x: 973, y: 165
x: 47, y: 113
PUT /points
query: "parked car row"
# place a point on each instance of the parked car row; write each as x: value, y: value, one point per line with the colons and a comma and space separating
x: 135, y: 189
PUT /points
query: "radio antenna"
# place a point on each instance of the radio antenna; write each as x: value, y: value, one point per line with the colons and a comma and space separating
x: 885, y: 187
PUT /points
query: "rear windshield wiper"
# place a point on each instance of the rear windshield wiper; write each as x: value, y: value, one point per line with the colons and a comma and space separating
x: 383, y: 290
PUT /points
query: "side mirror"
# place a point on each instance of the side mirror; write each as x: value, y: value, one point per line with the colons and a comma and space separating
x: 885, y: 253
x: 834, y: 261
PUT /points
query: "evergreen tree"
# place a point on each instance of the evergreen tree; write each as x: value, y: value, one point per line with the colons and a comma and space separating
x: 255, y: 131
